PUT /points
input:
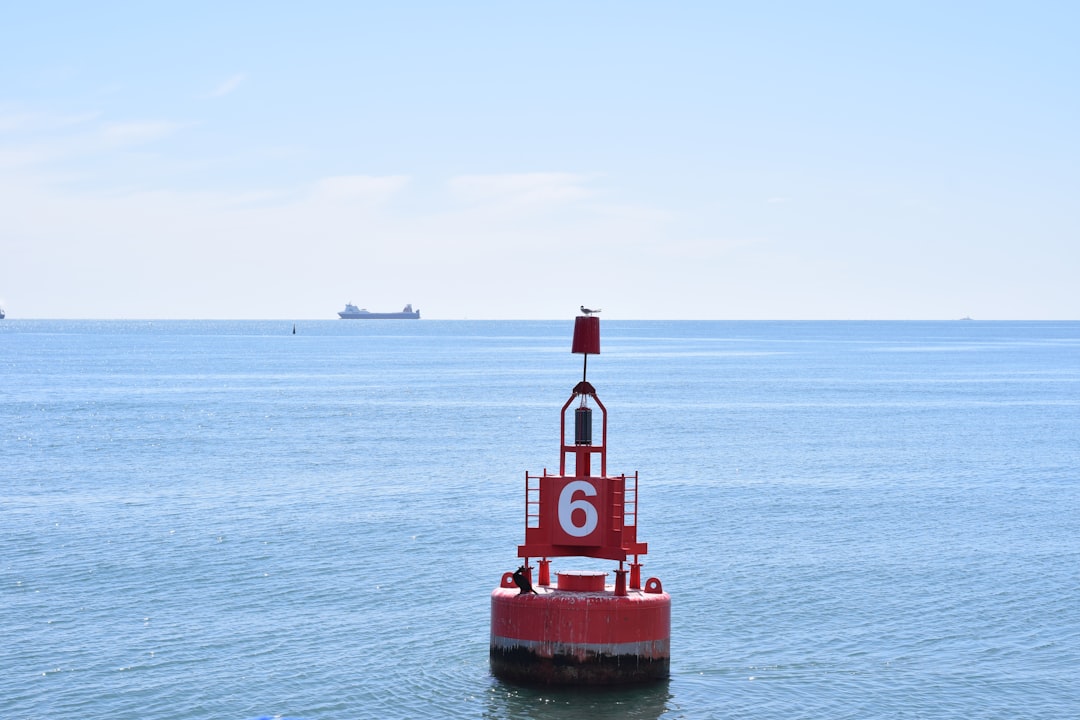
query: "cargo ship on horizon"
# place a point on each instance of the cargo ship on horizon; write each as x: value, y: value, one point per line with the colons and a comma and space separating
x: 351, y: 312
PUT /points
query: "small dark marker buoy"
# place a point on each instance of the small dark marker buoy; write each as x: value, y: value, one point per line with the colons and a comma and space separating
x: 294, y: 328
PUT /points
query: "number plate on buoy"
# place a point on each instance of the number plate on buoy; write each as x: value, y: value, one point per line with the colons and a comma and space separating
x: 577, y: 511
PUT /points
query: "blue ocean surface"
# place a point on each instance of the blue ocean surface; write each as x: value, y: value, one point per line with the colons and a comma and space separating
x: 210, y: 519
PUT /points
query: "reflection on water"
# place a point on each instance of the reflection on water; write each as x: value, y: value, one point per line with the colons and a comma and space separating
x: 507, y: 700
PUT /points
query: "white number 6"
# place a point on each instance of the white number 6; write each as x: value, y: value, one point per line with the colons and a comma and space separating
x: 567, y: 506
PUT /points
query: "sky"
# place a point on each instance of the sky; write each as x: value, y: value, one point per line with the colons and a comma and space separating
x: 501, y: 160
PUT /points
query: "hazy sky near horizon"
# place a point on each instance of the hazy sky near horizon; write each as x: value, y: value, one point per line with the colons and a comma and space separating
x: 789, y: 160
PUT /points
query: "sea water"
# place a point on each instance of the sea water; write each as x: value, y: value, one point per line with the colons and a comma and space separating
x: 209, y: 519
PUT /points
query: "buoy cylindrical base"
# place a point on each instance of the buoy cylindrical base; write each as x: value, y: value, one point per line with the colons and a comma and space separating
x: 580, y: 638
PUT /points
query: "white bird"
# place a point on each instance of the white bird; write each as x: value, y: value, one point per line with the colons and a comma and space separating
x: 587, y: 311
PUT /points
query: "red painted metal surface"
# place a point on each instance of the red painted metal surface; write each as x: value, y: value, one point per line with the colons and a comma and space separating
x: 586, y: 335
x: 569, y: 617
x: 581, y: 581
x: 592, y: 638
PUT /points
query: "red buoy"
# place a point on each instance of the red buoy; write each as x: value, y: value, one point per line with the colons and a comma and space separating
x: 581, y: 630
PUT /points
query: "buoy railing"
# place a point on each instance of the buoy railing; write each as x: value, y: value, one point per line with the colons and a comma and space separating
x: 630, y: 501
x: 532, y: 501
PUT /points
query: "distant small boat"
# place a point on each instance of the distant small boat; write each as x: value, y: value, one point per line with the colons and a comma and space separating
x: 1, y: 313
x: 351, y: 312
x: 966, y: 317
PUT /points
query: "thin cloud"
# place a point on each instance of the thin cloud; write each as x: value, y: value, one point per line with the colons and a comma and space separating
x: 37, y: 140
x: 370, y: 188
x: 15, y: 121
x: 522, y: 189
x: 229, y: 85
x: 23, y: 157
x: 708, y: 249
x: 137, y: 133
x: 36, y: 121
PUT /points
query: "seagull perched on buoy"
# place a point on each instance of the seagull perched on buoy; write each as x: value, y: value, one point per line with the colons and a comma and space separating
x: 588, y: 311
